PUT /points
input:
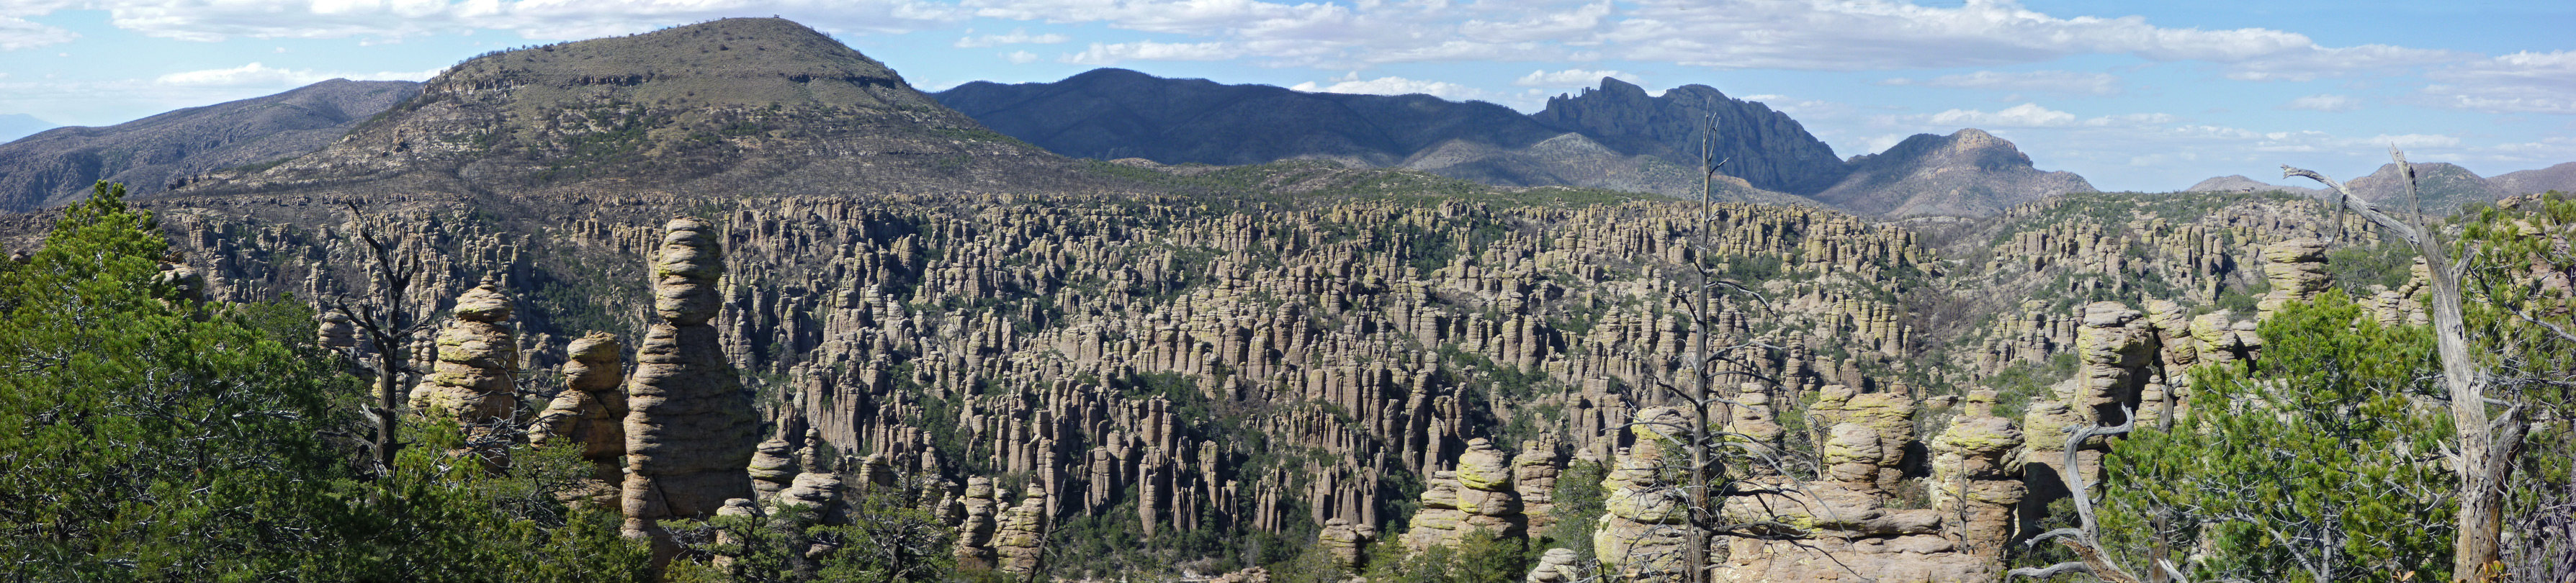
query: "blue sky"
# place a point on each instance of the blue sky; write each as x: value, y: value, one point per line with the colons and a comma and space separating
x: 2134, y: 96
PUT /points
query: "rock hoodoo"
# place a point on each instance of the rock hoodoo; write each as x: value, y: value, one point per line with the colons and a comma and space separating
x: 690, y: 426
x: 591, y: 410
x: 478, y: 359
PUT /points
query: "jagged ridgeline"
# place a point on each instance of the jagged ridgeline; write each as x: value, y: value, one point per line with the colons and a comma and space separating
x: 1105, y: 369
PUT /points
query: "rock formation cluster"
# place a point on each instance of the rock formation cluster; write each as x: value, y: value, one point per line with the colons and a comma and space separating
x: 1275, y: 369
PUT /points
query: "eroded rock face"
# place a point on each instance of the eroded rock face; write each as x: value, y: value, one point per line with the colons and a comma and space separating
x: 591, y: 410
x: 1643, y: 529
x: 1346, y: 543
x: 977, y: 525
x: 2297, y: 270
x: 1972, y: 478
x: 1020, y: 538
x: 478, y: 357
x: 690, y: 427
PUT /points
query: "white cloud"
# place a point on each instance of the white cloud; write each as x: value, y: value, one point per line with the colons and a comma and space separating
x: 1393, y: 86
x: 1568, y: 77
x: 1104, y: 54
x: 2326, y: 102
x: 19, y: 33
x: 2027, y: 115
x: 1021, y: 57
x: 1017, y: 36
x: 2524, y: 82
x: 259, y: 75
x: 2042, y: 81
x: 534, y: 19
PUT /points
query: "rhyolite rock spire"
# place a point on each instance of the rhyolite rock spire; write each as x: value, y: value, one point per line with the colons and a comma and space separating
x: 591, y: 410
x: 478, y: 358
x: 690, y: 427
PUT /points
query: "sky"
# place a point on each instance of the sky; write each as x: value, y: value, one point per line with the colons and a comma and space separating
x: 2147, y: 96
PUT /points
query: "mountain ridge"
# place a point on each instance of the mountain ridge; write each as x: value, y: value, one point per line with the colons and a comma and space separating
x: 57, y: 166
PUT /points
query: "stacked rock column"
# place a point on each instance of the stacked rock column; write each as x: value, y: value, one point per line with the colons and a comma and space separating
x: 478, y: 356
x: 591, y: 411
x: 690, y: 427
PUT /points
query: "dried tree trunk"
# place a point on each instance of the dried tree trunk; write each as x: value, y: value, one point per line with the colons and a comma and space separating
x: 2484, y: 459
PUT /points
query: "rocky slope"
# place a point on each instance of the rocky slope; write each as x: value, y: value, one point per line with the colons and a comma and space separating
x: 2560, y: 178
x: 723, y: 107
x: 1967, y: 173
x: 1109, y: 114
x: 57, y: 166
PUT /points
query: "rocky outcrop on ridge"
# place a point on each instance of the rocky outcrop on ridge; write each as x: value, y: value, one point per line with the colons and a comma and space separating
x: 1765, y: 148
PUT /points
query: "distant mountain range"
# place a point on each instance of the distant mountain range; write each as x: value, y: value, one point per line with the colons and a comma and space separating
x: 2442, y: 187
x: 57, y: 166
x: 1617, y: 136
x: 19, y: 125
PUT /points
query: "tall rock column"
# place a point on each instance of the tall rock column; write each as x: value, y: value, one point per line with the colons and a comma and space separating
x: 1972, y: 484
x: 478, y: 357
x: 690, y: 426
x: 591, y: 410
x: 1020, y: 537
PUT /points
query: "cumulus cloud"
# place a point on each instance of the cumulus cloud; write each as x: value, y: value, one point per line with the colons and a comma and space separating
x: 2027, y: 115
x: 1017, y: 36
x: 1566, y: 78
x: 1021, y: 57
x: 1393, y: 86
x: 259, y: 75
x: 2325, y: 102
x: 1104, y: 54
x: 2040, y: 81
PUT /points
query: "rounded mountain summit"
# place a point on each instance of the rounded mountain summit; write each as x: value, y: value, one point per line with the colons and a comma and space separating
x: 734, y: 106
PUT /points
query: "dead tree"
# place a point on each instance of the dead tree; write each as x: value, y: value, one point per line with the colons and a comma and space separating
x: 2085, y: 537
x: 390, y: 318
x: 2487, y: 443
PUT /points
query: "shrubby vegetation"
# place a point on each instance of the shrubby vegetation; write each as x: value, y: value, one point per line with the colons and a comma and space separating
x: 2320, y: 464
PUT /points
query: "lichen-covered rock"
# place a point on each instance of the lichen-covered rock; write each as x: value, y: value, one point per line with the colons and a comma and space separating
x: 1852, y: 453
x: 1971, y: 477
x: 2296, y: 269
x: 478, y: 358
x: 1020, y: 538
x: 1484, y: 467
x: 690, y: 426
x: 591, y: 410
